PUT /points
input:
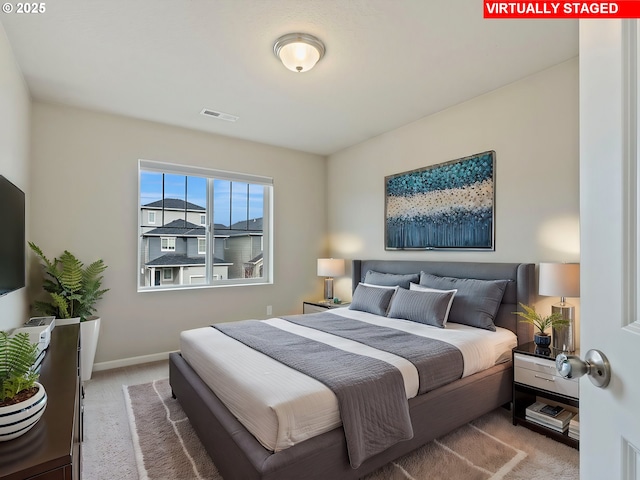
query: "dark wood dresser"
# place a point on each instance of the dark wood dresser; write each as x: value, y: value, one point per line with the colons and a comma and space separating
x: 51, y: 449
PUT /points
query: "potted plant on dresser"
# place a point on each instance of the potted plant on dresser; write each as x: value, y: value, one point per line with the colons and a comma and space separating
x: 22, y: 398
x: 541, y: 324
x: 74, y: 290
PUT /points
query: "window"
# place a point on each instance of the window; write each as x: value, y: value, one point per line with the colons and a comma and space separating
x: 215, y: 224
x: 167, y: 273
x: 167, y: 244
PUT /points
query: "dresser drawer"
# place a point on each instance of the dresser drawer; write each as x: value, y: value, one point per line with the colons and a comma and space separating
x: 541, y: 373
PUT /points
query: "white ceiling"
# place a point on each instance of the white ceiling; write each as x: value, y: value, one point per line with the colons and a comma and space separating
x: 388, y: 62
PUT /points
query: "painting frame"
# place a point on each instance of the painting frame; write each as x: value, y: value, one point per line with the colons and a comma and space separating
x: 446, y: 206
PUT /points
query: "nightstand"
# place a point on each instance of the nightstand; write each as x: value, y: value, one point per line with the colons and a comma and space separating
x: 315, y: 307
x: 535, y: 379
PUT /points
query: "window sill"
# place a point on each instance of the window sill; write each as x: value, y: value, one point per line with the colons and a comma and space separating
x: 161, y: 288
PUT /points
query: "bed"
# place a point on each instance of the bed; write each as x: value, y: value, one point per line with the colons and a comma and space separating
x: 238, y: 454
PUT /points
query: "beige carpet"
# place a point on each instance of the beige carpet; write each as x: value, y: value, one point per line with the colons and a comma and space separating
x: 166, y: 447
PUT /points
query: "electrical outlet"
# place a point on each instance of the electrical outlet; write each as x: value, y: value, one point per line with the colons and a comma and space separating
x: 269, y: 310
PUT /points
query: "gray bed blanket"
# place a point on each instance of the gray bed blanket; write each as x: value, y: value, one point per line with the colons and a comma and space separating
x: 437, y: 362
x: 371, y: 395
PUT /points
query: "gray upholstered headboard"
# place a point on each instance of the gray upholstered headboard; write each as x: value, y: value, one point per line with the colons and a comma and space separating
x: 519, y: 290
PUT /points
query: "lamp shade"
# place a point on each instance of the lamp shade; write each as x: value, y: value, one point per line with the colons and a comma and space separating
x: 330, y: 267
x: 559, y: 279
x: 299, y: 52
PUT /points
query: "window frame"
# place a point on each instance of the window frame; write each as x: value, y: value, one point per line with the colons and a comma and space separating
x: 169, y: 240
x: 164, y: 276
x: 211, y: 175
x: 150, y: 214
x: 200, y: 252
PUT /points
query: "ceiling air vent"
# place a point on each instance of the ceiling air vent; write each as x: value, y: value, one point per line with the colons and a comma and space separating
x: 219, y: 115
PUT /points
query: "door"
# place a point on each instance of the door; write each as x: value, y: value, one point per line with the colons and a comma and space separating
x: 610, y: 417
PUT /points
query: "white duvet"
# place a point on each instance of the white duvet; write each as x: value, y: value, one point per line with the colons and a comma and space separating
x: 281, y: 406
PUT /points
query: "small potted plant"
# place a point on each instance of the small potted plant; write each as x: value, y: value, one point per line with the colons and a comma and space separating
x: 541, y: 337
x: 22, y: 398
x: 74, y: 290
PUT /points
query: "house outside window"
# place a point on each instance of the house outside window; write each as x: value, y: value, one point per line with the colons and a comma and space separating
x: 212, y: 228
x: 167, y: 244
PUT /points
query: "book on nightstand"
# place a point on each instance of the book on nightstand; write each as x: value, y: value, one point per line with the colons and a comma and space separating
x: 574, y: 427
x: 556, y: 418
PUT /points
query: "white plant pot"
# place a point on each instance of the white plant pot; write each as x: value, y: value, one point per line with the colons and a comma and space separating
x: 67, y: 321
x: 89, y: 333
x: 18, y: 419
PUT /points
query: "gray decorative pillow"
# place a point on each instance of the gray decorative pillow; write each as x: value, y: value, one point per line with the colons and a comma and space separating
x: 371, y: 299
x: 476, y: 302
x: 391, y: 279
x: 420, y: 288
x: 422, y: 307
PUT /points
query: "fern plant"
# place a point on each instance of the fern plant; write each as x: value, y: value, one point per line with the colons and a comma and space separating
x: 538, y: 321
x: 17, y: 356
x: 74, y: 289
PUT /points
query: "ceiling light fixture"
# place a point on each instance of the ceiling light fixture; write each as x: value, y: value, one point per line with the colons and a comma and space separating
x: 299, y: 52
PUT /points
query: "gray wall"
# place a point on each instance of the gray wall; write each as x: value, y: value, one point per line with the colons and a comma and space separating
x: 532, y: 125
x: 14, y: 160
x: 87, y: 162
x: 85, y: 167
x: 169, y: 216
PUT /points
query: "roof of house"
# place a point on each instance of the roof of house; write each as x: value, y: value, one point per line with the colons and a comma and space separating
x: 175, y: 204
x: 182, y: 228
x: 253, y: 225
x: 175, y: 259
x: 177, y: 228
x: 256, y: 259
x: 181, y: 260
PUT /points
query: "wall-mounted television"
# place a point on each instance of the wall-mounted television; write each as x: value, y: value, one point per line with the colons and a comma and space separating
x: 12, y: 237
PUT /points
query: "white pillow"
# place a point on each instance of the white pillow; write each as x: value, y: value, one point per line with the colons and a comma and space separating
x: 420, y: 288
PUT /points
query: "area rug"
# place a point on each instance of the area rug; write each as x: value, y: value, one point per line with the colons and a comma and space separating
x: 489, y: 448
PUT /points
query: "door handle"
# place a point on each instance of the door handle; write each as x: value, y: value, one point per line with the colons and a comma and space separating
x: 595, y: 365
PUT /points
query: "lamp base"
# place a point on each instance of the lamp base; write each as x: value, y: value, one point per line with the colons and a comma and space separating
x: 564, y: 336
x: 328, y: 288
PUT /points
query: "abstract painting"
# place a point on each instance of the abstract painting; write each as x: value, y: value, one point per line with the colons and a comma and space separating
x: 445, y: 206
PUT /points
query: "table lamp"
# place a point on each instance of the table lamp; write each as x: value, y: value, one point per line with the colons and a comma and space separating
x: 561, y: 280
x: 329, y: 268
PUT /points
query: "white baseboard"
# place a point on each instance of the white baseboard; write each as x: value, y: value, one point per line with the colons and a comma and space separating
x: 127, y: 362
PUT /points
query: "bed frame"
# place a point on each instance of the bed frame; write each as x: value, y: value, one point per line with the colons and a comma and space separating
x: 238, y: 455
